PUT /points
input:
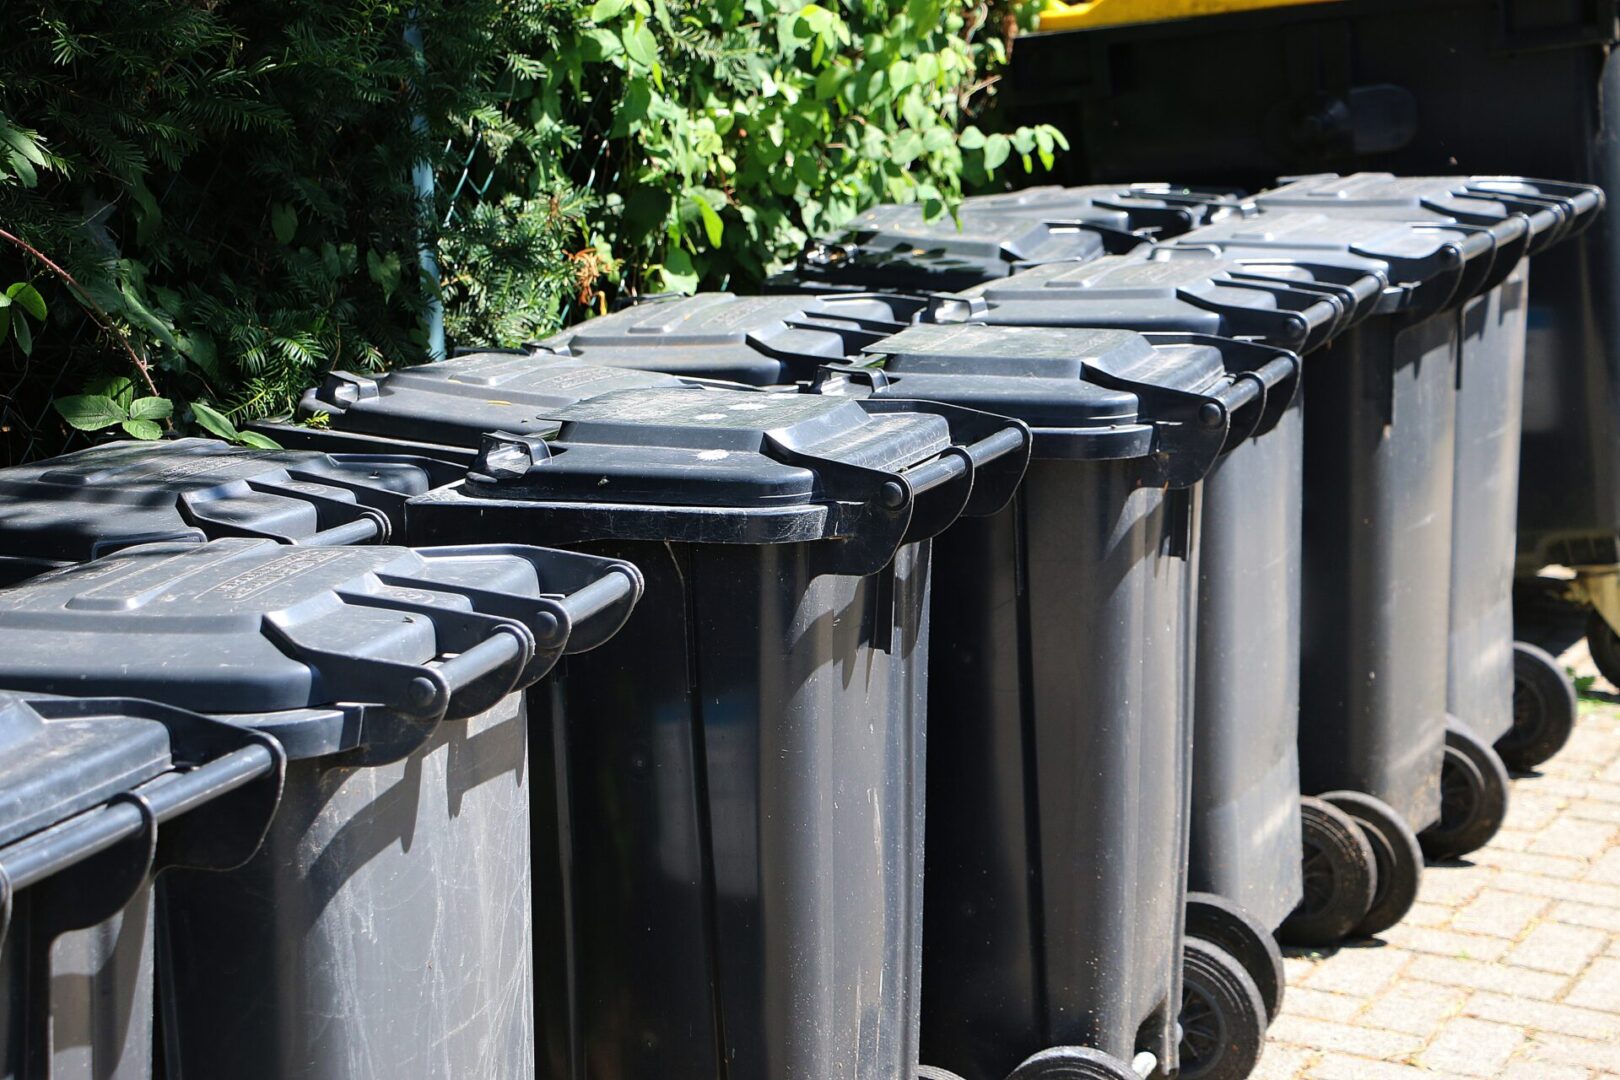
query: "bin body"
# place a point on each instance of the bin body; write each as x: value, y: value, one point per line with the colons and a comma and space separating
x: 1522, y: 87
x: 384, y: 926
x: 1380, y: 427
x: 741, y: 819
x: 1061, y: 683
x: 77, y: 923
x: 1245, y: 774
x: 737, y: 780
x: 1059, y: 772
x: 388, y: 910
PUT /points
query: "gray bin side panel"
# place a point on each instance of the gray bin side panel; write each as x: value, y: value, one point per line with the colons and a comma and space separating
x: 1380, y: 409
x: 1245, y: 782
x: 746, y: 858
x: 381, y: 931
x: 1490, y: 394
x: 1055, y: 876
x: 100, y: 981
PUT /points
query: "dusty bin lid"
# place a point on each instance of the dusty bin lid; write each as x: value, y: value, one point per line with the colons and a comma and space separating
x: 737, y: 468
x: 756, y: 340
x: 443, y: 409
x: 1171, y: 290
x: 83, y: 505
x: 1174, y: 400
x: 327, y: 648
x: 82, y: 777
x: 896, y: 246
x: 1554, y: 210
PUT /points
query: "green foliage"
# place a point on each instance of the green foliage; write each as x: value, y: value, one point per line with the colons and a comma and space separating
x: 221, y: 201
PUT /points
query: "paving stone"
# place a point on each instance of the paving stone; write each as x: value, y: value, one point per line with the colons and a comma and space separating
x: 1544, y: 1016
x: 1598, y: 987
x: 1574, y: 837
x: 1363, y: 972
x: 1346, y: 1067
x: 1280, y: 1062
x: 1502, y: 914
x: 1322, y: 1005
x: 1475, y: 975
x: 1344, y: 1038
x: 1471, y: 1047
x: 1447, y: 942
x: 1417, y: 1008
x: 1527, y: 862
x: 1552, y: 946
x: 1520, y: 1069
x: 1555, y: 1049
x: 1578, y: 914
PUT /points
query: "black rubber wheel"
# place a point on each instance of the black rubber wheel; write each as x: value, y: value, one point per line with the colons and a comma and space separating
x: 1216, y: 919
x: 929, y: 1072
x: 1396, y: 852
x: 1073, y: 1063
x: 1604, y: 644
x: 1223, y: 1019
x: 1340, y: 877
x: 1473, y: 797
x: 1543, y: 709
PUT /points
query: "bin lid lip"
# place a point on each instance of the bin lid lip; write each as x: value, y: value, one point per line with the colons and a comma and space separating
x: 1120, y: 277
x: 746, y: 339
x: 245, y: 625
x: 714, y: 449
x: 1387, y: 191
x: 53, y: 768
x: 1041, y: 375
x: 454, y: 402
x: 1409, y: 247
x: 84, y: 503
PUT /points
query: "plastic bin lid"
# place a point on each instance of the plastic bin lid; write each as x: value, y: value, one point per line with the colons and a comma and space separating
x: 757, y: 340
x: 53, y: 768
x: 243, y: 626
x: 87, y: 777
x: 1553, y: 209
x: 1168, y: 290
x: 1158, y: 210
x: 1090, y: 393
x: 893, y: 247
x: 85, y: 504
x: 454, y: 402
x: 738, y: 468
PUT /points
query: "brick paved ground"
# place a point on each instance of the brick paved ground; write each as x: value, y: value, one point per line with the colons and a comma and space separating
x: 1508, y: 966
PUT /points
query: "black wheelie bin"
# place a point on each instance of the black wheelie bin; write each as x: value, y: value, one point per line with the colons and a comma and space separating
x: 1509, y: 693
x: 83, y: 505
x: 441, y: 410
x: 895, y: 247
x: 382, y: 928
x: 1528, y: 87
x: 97, y: 797
x: 1373, y: 718
x: 1061, y: 742
x: 740, y: 774
x: 1473, y: 779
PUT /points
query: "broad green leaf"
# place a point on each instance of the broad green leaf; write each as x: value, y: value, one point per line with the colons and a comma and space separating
x: 384, y: 270
x: 606, y: 10
x: 116, y: 387
x: 678, y: 273
x: 142, y: 429
x: 258, y: 441
x: 22, y: 168
x: 283, y: 222
x: 971, y: 138
x: 21, y: 143
x: 211, y: 419
x: 27, y: 297
x: 151, y: 408
x: 997, y: 148
x: 905, y: 147
x: 89, y: 412
x: 24, y: 335
x: 640, y: 46
x: 713, y: 227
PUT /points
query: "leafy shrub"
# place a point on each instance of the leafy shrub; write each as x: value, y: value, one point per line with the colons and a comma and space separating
x: 220, y: 201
